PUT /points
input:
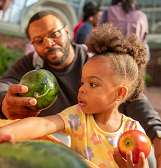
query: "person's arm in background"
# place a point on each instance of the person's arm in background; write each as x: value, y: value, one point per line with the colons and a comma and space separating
x: 142, y: 111
x: 76, y: 29
x: 6, y: 5
x: 29, y: 48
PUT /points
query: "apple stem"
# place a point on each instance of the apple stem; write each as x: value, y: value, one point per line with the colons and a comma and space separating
x: 127, y: 143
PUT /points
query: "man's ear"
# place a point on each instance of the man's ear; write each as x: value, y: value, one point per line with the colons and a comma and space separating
x: 67, y: 31
x: 122, y: 92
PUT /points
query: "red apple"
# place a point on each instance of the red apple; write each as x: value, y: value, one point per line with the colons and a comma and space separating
x: 135, y: 141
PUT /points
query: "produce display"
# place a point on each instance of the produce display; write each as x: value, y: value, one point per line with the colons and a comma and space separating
x: 136, y: 141
x: 38, y: 154
x: 42, y: 85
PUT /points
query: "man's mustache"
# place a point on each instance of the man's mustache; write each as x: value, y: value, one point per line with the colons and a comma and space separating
x: 53, y: 50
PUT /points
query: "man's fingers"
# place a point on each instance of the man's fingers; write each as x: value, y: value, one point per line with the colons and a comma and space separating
x: 23, y: 113
x: 22, y: 116
x: 22, y: 101
x: 14, y: 89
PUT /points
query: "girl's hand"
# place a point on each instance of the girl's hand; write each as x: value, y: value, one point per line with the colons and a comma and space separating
x: 143, y: 163
x: 6, y: 137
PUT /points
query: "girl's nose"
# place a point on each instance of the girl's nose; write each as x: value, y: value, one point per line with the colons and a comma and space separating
x: 82, y: 89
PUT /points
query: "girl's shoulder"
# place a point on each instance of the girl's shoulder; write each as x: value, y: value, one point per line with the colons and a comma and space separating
x: 74, y: 111
x: 130, y: 124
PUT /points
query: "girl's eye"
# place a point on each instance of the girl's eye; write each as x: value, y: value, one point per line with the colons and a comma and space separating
x: 81, y: 83
x: 92, y: 84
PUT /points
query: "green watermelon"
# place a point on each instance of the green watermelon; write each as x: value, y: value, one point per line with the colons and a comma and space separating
x: 42, y: 85
x: 38, y: 154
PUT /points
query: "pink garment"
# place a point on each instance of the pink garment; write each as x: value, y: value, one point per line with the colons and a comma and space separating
x: 29, y: 48
x: 133, y: 22
x: 37, y: 60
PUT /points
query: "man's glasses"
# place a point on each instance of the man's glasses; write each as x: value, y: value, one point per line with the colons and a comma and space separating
x: 54, y: 35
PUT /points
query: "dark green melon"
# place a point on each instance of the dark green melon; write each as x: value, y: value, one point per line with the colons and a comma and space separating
x: 38, y: 154
x: 42, y: 85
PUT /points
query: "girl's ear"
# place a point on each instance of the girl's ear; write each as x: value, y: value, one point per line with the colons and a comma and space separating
x: 122, y: 92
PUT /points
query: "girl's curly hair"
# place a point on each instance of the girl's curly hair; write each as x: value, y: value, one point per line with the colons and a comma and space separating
x: 128, y: 56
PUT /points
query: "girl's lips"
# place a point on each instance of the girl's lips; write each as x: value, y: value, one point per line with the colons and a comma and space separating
x: 81, y: 103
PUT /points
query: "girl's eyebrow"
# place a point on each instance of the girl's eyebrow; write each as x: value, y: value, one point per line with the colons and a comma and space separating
x: 96, y: 78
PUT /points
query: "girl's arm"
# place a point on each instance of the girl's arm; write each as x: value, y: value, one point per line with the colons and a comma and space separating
x: 34, y: 127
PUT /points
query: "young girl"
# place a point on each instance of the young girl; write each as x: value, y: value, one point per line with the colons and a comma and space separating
x: 110, y: 77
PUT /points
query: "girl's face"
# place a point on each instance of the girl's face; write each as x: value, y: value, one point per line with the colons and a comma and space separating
x: 98, y: 91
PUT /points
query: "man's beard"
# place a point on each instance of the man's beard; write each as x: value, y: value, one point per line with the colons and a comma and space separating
x: 57, y: 61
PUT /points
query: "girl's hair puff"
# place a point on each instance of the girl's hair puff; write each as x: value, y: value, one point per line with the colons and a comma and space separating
x: 128, y: 56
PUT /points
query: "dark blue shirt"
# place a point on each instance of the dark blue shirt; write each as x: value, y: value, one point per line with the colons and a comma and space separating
x: 82, y: 32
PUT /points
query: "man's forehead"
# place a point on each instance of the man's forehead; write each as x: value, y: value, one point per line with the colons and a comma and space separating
x: 47, y: 20
x: 44, y: 24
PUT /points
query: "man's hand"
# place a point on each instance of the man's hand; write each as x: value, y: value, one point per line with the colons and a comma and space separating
x: 157, y: 149
x: 6, y: 137
x: 143, y: 163
x: 15, y: 107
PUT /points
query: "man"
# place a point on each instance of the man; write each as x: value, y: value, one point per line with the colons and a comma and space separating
x: 51, y: 39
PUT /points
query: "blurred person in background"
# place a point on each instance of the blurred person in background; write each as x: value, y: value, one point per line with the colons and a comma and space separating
x: 4, y: 5
x: 29, y: 48
x: 125, y: 15
x: 92, y: 14
x: 76, y: 28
